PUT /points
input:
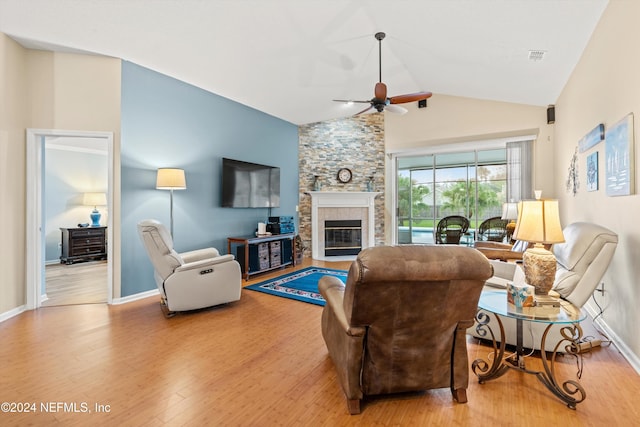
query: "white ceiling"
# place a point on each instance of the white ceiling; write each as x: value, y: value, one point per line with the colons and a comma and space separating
x: 290, y: 58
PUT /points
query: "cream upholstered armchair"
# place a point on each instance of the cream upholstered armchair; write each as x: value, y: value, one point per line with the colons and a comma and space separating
x: 582, y: 260
x: 399, y: 323
x: 189, y: 280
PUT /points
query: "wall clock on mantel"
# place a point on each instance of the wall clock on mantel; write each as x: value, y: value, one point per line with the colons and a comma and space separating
x: 344, y: 175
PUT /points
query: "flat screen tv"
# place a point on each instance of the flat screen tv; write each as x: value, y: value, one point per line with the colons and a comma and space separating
x: 249, y: 185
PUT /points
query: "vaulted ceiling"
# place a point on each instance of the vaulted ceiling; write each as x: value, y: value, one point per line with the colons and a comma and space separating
x: 291, y: 58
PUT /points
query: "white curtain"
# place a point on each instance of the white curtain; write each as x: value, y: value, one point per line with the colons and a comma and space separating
x: 519, y: 170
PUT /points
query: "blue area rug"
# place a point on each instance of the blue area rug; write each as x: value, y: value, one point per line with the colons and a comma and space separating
x: 301, y: 285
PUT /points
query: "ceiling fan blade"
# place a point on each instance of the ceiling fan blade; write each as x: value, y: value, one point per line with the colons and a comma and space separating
x: 346, y: 101
x: 364, y: 111
x: 411, y: 97
x: 396, y: 109
x: 380, y: 91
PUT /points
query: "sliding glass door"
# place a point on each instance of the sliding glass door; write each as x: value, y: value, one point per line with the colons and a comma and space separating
x: 471, y: 184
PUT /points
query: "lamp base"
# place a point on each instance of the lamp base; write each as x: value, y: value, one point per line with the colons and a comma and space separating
x: 95, y: 218
x: 539, y: 269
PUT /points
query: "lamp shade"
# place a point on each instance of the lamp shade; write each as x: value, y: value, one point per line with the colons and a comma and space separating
x: 539, y: 222
x: 171, y: 179
x: 95, y: 199
x: 509, y: 211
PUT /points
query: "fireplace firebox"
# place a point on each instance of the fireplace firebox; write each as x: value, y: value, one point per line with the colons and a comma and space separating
x: 342, y: 237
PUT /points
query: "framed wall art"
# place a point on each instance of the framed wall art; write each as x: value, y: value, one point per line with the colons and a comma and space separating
x: 592, y: 138
x: 619, y: 158
x: 592, y: 172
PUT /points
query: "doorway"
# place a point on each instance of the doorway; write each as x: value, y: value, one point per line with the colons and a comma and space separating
x: 38, y: 231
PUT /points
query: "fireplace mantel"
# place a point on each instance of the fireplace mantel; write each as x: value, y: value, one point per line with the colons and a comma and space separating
x: 337, y: 200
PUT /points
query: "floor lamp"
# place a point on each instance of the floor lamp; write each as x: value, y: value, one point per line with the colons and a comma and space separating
x: 171, y: 179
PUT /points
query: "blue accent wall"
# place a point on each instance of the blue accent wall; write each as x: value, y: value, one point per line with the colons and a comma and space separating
x: 169, y: 123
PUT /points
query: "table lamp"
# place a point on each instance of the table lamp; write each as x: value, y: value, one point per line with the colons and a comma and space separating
x: 171, y: 179
x: 95, y: 200
x: 510, y: 213
x: 539, y: 223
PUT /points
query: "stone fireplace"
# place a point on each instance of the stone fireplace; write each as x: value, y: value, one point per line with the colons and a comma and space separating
x: 341, y: 207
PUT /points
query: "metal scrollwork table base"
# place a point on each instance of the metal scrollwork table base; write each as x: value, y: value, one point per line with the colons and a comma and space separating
x: 567, y: 315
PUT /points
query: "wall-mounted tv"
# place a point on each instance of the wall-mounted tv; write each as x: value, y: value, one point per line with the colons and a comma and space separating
x: 249, y: 185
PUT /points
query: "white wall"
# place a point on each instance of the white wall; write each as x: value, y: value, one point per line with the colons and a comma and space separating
x: 47, y: 90
x: 603, y: 88
x: 13, y: 121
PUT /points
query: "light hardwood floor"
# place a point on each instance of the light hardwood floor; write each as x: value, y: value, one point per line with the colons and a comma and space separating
x: 81, y: 283
x: 260, y: 361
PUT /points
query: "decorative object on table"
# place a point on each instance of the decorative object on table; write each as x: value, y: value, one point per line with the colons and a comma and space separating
x: 301, y: 285
x: 345, y: 175
x: 262, y: 229
x: 95, y: 200
x: 546, y: 301
x: 592, y: 138
x: 171, y: 179
x: 520, y: 294
x: 370, y: 186
x: 619, y: 158
x: 592, y: 172
x: 539, y: 223
x: 510, y: 213
x: 317, y: 185
x: 572, y: 179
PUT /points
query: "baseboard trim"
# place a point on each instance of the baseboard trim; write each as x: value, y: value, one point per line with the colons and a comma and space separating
x: 626, y: 352
x: 135, y: 297
x: 21, y: 309
x: 12, y: 313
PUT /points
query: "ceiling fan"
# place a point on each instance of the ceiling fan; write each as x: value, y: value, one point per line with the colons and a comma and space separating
x: 380, y: 101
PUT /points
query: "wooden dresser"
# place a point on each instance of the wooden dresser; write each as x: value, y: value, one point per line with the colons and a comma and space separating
x: 83, y: 244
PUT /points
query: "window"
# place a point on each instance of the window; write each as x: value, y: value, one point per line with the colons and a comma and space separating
x: 472, y: 184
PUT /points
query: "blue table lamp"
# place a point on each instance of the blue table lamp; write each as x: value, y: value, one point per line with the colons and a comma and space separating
x: 95, y: 200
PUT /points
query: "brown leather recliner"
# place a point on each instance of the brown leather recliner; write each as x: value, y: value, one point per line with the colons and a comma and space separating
x: 399, y: 323
x: 502, y: 251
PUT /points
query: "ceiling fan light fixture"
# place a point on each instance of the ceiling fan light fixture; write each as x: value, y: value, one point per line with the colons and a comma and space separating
x: 396, y: 109
x: 381, y: 100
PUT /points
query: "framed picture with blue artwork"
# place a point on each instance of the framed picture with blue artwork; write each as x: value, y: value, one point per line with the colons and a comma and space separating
x: 592, y: 172
x: 619, y: 158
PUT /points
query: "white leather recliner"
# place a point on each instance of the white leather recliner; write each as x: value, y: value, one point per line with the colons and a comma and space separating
x: 582, y: 260
x: 189, y: 280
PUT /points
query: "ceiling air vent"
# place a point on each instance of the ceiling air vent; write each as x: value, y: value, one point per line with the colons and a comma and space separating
x: 536, y: 55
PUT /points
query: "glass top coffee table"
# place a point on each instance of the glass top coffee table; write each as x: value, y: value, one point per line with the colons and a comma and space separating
x: 493, y: 304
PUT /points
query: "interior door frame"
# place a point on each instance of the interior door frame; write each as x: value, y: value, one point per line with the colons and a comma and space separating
x: 35, y: 209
